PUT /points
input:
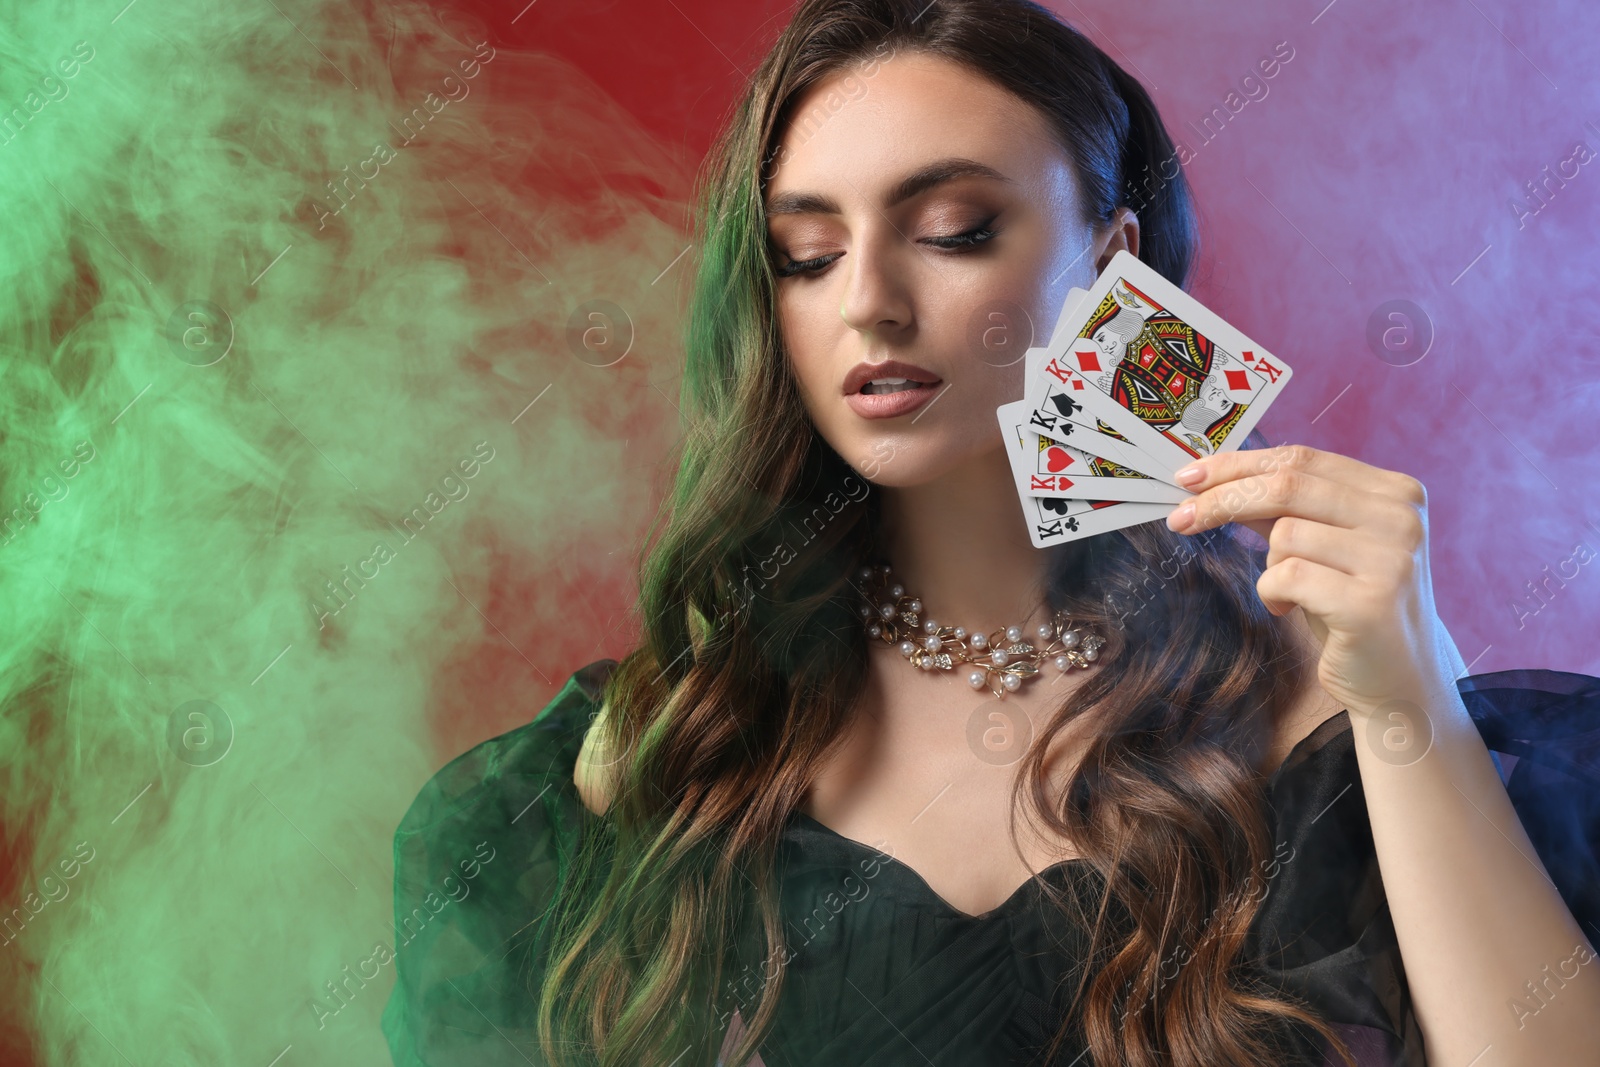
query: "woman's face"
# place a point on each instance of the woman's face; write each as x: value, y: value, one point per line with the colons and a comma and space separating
x: 944, y: 223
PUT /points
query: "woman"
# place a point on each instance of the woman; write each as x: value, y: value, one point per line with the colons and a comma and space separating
x: 1259, y: 824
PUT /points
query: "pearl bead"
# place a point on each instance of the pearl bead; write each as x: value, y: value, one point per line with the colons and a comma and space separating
x: 1010, y: 682
x: 980, y: 640
x: 866, y: 612
x: 1071, y: 638
x: 930, y: 626
x: 886, y: 610
x: 874, y: 630
x: 1092, y: 655
x: 932, y: 644
x: 915, y: 607
x: 999, y: 658
x: 1045, y: 631
x: 864, y: 573
x: 976, y: 677
x: 1013, y: 633
x: 907, y: 649
x: 1063, y: 664
x: 959, y: 633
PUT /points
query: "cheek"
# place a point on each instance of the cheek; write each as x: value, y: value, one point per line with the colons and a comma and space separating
x: 808, y: 343
x: 992, y: 330
x: 797, y: 345
x: 806, y: 352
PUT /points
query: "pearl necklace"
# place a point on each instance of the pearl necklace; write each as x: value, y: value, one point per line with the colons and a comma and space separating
x: 1001, y: 660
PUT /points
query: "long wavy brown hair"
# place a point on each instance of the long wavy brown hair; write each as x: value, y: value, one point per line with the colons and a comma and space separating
x: 753, y: 650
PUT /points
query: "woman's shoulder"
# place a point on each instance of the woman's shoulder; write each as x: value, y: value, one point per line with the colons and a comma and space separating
x: 1541, y: 727
x: 1544, y: 728
x: 478, y: 857
x: 1323, y: 925
x: 1551, y: 716
x: 496, y: 778
x: 1524, y: 709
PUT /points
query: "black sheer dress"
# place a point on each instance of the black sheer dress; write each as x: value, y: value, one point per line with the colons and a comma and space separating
x: 884, y: 972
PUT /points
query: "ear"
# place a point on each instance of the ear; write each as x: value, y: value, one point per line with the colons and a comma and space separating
x: 1121, y: 233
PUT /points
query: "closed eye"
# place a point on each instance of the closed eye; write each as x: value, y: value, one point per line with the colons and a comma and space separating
x: 958, y: 243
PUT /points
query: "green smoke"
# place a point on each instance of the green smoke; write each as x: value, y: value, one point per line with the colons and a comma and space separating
x: 325, y: 363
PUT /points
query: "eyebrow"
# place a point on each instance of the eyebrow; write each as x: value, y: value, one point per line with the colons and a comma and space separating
x: 918, y: 181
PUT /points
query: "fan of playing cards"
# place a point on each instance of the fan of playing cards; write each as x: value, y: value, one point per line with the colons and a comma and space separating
x: 1138, y: 379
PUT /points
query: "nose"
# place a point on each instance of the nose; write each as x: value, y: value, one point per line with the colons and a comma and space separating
x: 876, y: 299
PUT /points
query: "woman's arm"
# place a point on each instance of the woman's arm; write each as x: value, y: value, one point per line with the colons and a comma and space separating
x: 1499, y: 971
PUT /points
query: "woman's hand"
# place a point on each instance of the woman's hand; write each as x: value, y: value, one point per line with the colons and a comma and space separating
x: 1348, y: 545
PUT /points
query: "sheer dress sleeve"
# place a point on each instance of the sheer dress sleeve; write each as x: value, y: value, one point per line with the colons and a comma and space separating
x: 478, y: 857
x: 1325, y: 930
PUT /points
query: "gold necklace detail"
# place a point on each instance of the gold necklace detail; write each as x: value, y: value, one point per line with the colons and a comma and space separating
x: 1000, y: 660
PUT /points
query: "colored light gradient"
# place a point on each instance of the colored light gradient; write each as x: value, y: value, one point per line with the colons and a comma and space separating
x: 339, y: 355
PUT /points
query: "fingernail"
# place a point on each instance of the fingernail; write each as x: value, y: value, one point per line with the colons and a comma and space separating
x: 1181, y: 517
x: 1189, y: 475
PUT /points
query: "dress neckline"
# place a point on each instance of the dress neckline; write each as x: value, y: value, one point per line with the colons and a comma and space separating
x: 920, y: 884
x: 1303, y: 749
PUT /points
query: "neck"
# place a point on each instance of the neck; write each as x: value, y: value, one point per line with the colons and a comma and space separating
x: 961, y: 546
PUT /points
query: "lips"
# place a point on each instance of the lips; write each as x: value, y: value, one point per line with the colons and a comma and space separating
x: 893, y: 405
x: 863, y: 373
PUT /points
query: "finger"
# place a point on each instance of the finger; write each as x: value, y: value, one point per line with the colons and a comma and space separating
x: 1318, y: 590
x: 1319, y: 629
x: 1283, y: 492
x: 1228, y: 466
x: 1351, y: 552
x: 1279, y: 607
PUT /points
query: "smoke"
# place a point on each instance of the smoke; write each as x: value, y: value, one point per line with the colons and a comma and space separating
x: 297, y: 461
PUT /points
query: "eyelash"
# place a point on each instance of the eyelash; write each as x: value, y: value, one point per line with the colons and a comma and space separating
x: 958, y: 243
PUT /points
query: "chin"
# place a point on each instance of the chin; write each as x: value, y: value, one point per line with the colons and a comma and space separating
x: 895, y: 463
